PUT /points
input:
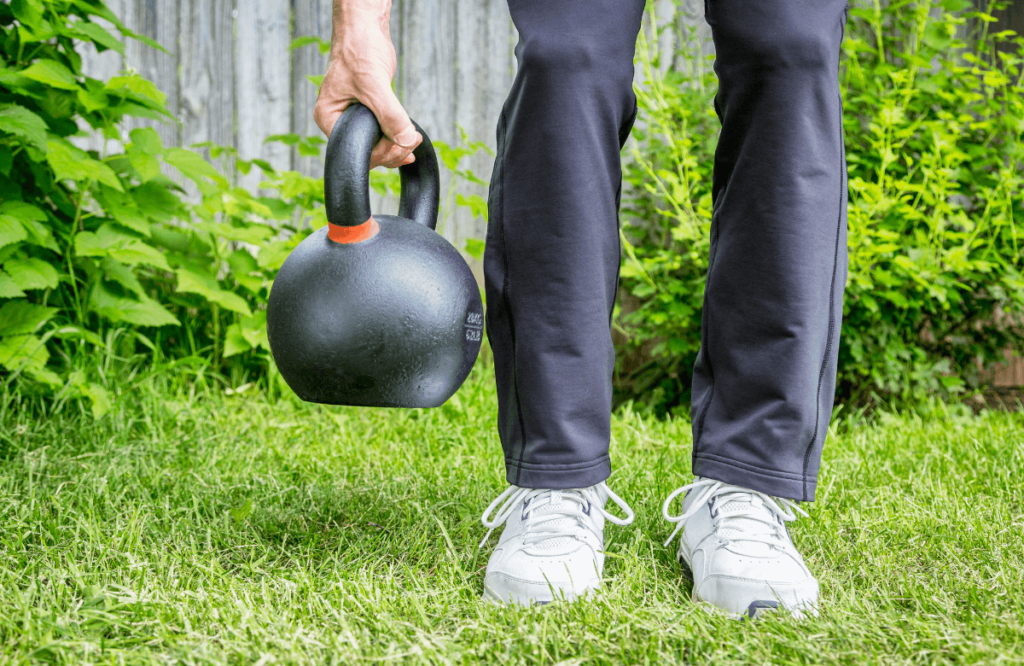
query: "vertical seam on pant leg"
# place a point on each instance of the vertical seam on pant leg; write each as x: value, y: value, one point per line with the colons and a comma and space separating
x: 831, y: 311
x: 618, y: 266
x: 705, y: 316
x: 618, y: 205
x: 507, y: 302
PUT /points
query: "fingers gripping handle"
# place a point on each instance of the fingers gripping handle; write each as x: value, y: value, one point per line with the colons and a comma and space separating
x: 347, y: 173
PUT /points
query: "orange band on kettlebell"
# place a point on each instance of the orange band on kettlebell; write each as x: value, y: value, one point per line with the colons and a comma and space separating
x: 364, y: 231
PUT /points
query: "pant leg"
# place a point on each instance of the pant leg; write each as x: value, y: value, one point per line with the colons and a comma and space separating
x: 764, y: 379
x: 552, y: 258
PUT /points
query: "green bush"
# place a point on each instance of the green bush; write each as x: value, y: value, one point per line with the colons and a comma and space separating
x: 100, y: 255
x: 103, y: 259
x: 934, y: 115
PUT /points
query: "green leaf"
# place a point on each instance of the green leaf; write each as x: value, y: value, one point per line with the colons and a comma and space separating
x: 100, y: 242
x: 27, y: 353
x: 246, y: 233
x: 239, y: 514
x: 157, y: 201
x: 13, y: 79
x: 32, y: 27
x: 76, y: 333
x: 190, y: 282
x: 99, y: 36
x: 315, y: 80
x: 121, y: 206
x: 8, y: 288
x: 286, y: 139
x: 254, y: 330
x: 31, y: 219
x: 476, y: 204
x: 99, y: 399
x: 142, y: 38
x: 115, y: 271
x: 147, y: 140
x: 23, y: 318
x: 307, y: 40
x: 51, y: 73
x: 70, y: 162
x: 143, y: 312
x: 308, y: 150
x: 245, y: 270
x: 28, y: 12
x: 138, y: 85
x: 6, y: 159
x: 31, y: 273
x: 92, y: 100
x: 24, y: 124
x: 234, y: 342
x: 23, y: 211
x: 95, y: 8
x: 109, y: 242
x: 193, y: 166
x: 147, y: 166
x: 475, y: 248
x: 955, y: 5
x: 11, y: 230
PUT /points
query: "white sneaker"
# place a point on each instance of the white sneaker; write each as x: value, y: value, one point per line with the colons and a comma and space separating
x: 737, y: 547
x: 553, y: 544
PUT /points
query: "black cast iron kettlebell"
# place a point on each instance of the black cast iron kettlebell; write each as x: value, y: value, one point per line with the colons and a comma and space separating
x: 379, y: 310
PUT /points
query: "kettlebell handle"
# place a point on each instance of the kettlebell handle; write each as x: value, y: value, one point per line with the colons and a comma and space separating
x: 347, y: 173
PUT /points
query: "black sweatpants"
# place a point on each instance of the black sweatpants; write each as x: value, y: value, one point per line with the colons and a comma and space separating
x: 764, y: 380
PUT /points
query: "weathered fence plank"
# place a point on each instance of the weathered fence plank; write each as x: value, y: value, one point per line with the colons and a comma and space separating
x: 427, y: 74
x: 484, y: 67
x: 207, y: 78
x: 157, y: 19
x: 311, y: 17
x: 262, y: 82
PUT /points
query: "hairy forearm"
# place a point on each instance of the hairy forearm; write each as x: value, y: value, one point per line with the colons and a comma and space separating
x: 352, y: 16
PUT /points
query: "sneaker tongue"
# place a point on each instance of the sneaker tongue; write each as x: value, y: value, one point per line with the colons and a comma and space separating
x: 736, y: 526
x: 546, y: 505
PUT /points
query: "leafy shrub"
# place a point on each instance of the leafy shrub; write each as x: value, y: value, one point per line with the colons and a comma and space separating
x: 95, y: 259
x: 934, y: 116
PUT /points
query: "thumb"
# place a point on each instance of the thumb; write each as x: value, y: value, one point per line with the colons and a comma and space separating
x: 394, y: 121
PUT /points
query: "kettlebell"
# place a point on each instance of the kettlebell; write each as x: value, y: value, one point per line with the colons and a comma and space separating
x: 377, y: 311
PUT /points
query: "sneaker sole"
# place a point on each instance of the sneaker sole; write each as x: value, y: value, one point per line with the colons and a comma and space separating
x: 490, y: 596
x: 754, y: 611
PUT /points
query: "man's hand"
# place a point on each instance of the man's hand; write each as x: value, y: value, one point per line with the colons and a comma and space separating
x: 362, y: 65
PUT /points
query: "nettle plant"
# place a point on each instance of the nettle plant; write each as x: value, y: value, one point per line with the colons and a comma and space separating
x: 100, y: 254
x: 934, y: 117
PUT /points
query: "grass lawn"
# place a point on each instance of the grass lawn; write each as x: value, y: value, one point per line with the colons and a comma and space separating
x: 198, y: 527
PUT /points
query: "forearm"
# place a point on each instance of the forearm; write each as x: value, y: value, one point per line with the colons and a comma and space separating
x: 354, y: 16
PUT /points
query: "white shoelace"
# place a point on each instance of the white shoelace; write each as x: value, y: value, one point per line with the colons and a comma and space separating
x: 551, y: 524
x: 750, y: 502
